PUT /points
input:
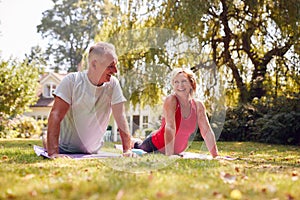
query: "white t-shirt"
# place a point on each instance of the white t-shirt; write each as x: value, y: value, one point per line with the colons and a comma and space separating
x: 85, y: 123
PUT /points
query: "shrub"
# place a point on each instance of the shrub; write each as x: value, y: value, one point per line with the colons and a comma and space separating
x: 281, y: 128
x: 271, y: 121
x: 20, y: 127
x: 239, y: 123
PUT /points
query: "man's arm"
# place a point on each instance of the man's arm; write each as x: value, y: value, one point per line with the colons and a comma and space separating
x: 205, y: 129
x: 59, y: 110
x: 118, y: 111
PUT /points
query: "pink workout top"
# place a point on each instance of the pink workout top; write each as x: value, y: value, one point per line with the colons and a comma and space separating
x: 185, y: 127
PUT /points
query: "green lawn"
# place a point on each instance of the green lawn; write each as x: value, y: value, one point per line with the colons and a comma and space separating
x: 261, y: 171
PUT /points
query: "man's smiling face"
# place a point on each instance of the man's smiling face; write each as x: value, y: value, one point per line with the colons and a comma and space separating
x: 106, y: 69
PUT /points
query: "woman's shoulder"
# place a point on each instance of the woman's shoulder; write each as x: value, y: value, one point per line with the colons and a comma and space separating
x: 170, y: 101
x: 200, y: 105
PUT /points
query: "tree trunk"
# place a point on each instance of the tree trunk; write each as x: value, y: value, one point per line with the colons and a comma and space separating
x: 227, y: 55
x: 257, y: 88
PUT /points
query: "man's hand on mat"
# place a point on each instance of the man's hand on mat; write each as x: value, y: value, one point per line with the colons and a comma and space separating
x: 53, y: 156
x: 129, y: 153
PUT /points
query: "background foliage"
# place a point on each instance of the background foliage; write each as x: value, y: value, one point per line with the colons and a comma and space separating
x: 71, y: 26
x: 253, y: 45
x: 272, y: 122
x: 19, y: 82
x: 18, y: 86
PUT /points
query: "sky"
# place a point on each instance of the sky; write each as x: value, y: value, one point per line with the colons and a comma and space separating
x: 18, y: 21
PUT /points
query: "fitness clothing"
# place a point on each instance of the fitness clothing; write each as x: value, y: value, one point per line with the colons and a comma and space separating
x: 85, y: 123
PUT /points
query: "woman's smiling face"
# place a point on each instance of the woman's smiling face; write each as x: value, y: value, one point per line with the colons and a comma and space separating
x: 181, y: 84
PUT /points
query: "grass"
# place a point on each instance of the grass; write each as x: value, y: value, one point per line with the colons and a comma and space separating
x: 262, y: 172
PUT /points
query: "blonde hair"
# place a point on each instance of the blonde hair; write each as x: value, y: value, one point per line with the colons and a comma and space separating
x: 189, y: 74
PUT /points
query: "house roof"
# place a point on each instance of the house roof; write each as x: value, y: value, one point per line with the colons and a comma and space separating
x: 42, y: 101
x: 56, y: 76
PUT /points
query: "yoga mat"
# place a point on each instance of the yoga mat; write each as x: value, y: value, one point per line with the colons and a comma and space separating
x: 40, y: 151
x: 185, y: 155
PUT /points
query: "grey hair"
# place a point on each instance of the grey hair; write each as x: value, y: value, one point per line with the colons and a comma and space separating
x: 101, y: 49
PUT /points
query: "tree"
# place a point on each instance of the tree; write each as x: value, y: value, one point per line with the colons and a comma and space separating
x: 71, y: 25
x: 245, y: 36
x: 143, y: 51
x: 36, y: 58
x: 18, y: 87
x: 133, y: 47
x: 239, y: 40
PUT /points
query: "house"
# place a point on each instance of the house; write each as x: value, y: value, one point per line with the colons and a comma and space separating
x: 48, y: 84
x: 139, y: 119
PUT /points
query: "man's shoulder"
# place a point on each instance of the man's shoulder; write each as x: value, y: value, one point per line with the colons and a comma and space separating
x: 72, y: 76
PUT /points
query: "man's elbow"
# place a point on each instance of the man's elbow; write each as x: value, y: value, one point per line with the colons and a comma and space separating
x: 55, y: 117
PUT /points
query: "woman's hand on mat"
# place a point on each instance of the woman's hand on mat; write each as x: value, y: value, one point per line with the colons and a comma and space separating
x: 129, y: 153
x: 56, y: 155
x: 174, y: 156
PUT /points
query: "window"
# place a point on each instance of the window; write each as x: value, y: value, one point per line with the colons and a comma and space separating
x: 49, y: 90
x: 145, y: 121
x: 53, y: 90
x: 128, y: 119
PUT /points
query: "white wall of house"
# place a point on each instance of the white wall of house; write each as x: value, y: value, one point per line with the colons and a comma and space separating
x: 39, y: 113
x: 139, y: 119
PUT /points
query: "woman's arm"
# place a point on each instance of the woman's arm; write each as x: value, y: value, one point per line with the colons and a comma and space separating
x: 205, y: 129
x: 169, y: 109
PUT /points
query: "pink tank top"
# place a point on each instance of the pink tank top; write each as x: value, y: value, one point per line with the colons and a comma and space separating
x: 185, y: 127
